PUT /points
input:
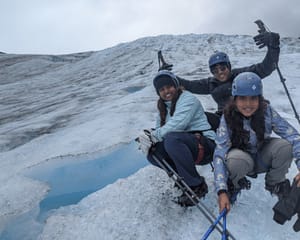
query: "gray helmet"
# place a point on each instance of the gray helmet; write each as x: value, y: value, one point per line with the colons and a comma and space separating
x: 218, y: 57
x: 247, y: 84
x: 163, y: 78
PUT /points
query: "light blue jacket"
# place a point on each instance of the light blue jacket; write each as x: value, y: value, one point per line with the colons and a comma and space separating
x: 188, y: 116
x: 273, y: 122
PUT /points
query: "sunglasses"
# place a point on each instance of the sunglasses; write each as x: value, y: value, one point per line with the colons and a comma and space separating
x: 218, y: 68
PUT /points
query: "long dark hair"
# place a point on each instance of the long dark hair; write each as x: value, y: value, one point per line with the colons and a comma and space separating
x: 162, y: 108
x: 234, y: 119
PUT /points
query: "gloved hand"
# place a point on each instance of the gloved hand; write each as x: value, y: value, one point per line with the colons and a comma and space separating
x: 166, y: 66
x: 146, y: 141
x: 288, y: 206
x: 269, y: 39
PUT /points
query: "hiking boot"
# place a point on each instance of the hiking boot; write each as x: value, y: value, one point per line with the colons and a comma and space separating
x: 200, y: 191
x: 233, y: 191
x: 281, y: 189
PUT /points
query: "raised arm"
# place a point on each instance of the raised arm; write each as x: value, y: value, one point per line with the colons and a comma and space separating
x: 268, y: 65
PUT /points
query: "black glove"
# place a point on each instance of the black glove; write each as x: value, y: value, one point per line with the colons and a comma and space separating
x: 296, y: 226
x: 288, y: 206
x: 166, y: 66
x: 269, y: 39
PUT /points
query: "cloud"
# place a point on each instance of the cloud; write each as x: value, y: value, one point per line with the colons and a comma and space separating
x: 66, y: 26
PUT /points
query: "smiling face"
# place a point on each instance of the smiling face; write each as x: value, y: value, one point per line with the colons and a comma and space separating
x: 221, y: 72
x: 247, y: 105
x: 167, y: 92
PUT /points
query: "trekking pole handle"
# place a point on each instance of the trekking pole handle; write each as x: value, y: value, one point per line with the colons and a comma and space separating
x: 162, y: 63
x: 261, y: 26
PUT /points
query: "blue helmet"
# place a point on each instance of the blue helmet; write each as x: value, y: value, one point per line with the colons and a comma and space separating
x: 247, y: 84
x: 164, y: 78
x: 218, y: 57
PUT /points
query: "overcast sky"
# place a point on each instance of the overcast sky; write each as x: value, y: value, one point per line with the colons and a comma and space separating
x: 70, y: 26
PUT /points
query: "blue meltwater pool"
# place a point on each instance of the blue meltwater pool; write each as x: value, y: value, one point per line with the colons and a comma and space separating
x: 70, y: 181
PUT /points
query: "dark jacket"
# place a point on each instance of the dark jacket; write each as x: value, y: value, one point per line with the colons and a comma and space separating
x: 221, y: 91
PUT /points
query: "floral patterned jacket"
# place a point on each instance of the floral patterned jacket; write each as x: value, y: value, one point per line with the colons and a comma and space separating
x: 273, y: 122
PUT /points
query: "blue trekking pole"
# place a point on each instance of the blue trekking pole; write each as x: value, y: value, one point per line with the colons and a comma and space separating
x: 212, y: 227
x: 224, y: 235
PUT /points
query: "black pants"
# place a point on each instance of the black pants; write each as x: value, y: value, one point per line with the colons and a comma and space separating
x: 180, y: 150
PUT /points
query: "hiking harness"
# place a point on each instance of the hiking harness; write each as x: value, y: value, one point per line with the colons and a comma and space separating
x: 179, y: 181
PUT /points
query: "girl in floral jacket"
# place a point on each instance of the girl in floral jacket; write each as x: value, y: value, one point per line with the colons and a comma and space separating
x: 244, y: 145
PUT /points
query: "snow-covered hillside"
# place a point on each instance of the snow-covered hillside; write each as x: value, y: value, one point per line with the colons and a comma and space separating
x: 72, y: 105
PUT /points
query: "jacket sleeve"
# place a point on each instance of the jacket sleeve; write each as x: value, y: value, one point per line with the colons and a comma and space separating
x: 285, y: 130
x: 196, y: 86
x: 157, y: 123
x: 223, y: 144
x: 186, y: 107
x: 266, y: 67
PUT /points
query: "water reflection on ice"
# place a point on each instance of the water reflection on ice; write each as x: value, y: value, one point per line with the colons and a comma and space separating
x: 70, y: 181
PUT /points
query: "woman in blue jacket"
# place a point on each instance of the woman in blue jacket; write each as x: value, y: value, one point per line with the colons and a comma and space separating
x: 182, y: 130
x: 244, y: 145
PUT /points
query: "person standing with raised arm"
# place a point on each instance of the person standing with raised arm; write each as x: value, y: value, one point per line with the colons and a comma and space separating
x: 219, y: 85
